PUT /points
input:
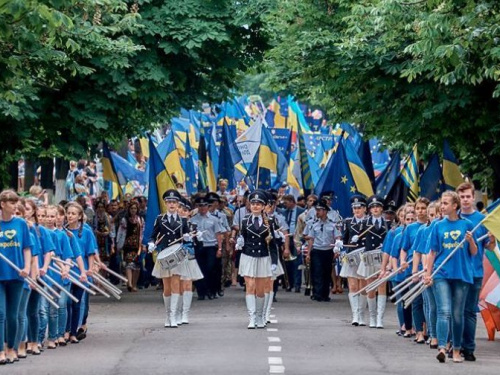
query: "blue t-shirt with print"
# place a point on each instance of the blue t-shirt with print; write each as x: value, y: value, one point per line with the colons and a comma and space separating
x: 445, y: 237
x: 85, y: 242
x: 14, y: 239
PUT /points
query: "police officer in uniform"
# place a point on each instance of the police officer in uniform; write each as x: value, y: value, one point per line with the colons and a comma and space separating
x: 259, y: 257
x: 209, y: 248
x: 351, y: 239
x: 321, y: 234
x: 169, y: 227
x: 377, y: 228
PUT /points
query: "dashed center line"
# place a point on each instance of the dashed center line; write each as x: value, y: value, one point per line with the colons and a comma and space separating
x: 275, y: 360
x: 275, y: 348
x: 276, y: 369
x: 273, y: 339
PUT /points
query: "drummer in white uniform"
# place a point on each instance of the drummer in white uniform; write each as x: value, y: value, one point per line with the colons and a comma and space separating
x: 169, y: 227
x: 353, y: 240
x: 376, y: 228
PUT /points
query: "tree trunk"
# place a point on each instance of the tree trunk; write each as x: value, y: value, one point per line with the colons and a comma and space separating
x: 14, y: 175
x: 62, y: 168
x: 494, y: 161
x: 29, y: 174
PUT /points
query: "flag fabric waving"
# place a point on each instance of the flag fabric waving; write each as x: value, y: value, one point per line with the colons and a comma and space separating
x: 410, y: 175
x: 109, y: 171
x: 451, y: 171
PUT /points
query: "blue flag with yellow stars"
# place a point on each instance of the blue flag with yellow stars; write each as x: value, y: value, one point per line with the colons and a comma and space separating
x: 431, y: 182
x: 337, y: 177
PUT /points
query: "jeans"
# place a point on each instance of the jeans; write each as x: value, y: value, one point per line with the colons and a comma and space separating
x: 430, y: 311
x: 21, y: 317
x: 321, y: 271
x: 74, y: 310
x: 10, y: 299
x: 417, y: 310
x: 33, y: 313
x: 43, y: 318
x: 399, y: 307
x: 54, y: 313
x: 470, y: 315
x: 84, y: 310
x: 450, y: 296
x: 62, y: 313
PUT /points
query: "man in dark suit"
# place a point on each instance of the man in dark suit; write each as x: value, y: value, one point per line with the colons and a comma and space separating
x: 291, y: 214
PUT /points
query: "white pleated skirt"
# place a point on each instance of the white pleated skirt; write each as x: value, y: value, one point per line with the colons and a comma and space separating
x: 365, y: 270
x: 255, y: 266
x: 191, y: 270
x: 349, y: 271
x: 160, y: 273
x: 279, y: 271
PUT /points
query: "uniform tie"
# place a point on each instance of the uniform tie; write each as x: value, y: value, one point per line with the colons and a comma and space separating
x: 171, y: 220
x: 256, y: 222
x: 377, y: 224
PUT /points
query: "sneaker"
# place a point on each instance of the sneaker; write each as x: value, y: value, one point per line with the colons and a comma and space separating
x: 469, y: 356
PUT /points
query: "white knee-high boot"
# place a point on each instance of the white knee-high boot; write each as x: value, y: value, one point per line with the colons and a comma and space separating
x: 354, y: 301
x: 264, y: 313
x: 178, y: 313
x: 166, y: 303
x: 187, y: 298
x: 259, y: 312
x: 362, y: 309
x: 250, y: 300
x: 372, y: 309
x: 268, y: 307
x: 381, y: 302
x: 173, y: 309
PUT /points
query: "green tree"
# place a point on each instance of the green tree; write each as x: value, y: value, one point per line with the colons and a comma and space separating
x: 407, y: 70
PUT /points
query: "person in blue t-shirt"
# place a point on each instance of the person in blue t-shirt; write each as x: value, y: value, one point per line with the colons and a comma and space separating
x: 15, y: 244
x: 453, y: 273
x: 408, y: 243
x: 420, y: 253
x: 465, y: 192
x: 87, y: 244
x: 406, y: 312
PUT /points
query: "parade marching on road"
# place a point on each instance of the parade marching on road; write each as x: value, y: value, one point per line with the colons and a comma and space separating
x: 128, y: 337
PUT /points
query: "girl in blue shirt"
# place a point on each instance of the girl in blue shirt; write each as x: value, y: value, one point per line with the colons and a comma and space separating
x: 84, y: 237
x: 452, y: 281
x: 15, y: 244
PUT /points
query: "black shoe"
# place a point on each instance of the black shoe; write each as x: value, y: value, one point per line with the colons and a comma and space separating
x: 220, y: 293
x: 469, y: 356
x: 327, y: 299
x: 227, y: 284
x: 274, y: 299
x: 297, y: 289
x: 433, y: 346
x: 201, y: 298
x: 441, y: 357
x: 81, y: 334
x: 307, y: 292
x: 288, y: 289
x: 210, y: 297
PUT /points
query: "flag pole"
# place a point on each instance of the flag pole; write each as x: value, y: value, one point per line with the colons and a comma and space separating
x: 258, y: 171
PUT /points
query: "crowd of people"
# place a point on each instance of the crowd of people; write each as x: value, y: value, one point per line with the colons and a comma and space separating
x: 262, y: 240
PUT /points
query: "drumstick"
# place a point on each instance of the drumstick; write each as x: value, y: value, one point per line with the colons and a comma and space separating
x: 366, y: 231
x: 180, y: 238
x: 159, y: 240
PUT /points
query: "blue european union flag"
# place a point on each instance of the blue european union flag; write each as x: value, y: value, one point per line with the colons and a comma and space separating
x: 389, y: 176
x: 337, y: 177
x: 230, y: 157
x: 431, y: 182
x: 189, y: 168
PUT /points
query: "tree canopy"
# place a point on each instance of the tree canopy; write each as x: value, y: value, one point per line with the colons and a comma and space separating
x: 75, y: 72
x: 408, y: 71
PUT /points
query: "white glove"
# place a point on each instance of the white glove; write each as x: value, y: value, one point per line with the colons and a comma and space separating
x: 339, y: 244
x: 281, y: 235
x: 240, y: 242
x: 336, y: 250
x: 151, y: 247
x: 199, y: 236
x: 186, y: 237
x: 355, y: 238
x: 303, y: 247
x: 274, y: 267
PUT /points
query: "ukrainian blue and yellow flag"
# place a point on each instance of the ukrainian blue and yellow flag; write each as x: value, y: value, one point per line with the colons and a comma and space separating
x: 109, y: 172
x: 231, y: 157
x: 212, y: 159
x: 363, y: 183
x: 410, y: 175
x: 159, y: 182
x: 387, y: 179
x: 270, y: 157
x: 167, y: 150
x: 305, y: 169
x: 451, y: 171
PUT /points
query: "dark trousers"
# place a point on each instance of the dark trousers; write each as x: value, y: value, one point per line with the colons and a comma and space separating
x: 206, y: 258
x: 321, y: 271
x: 114, y: 265
x: 74, y: 310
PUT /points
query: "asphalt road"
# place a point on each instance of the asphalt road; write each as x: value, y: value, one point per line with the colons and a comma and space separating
x: 128, y: 337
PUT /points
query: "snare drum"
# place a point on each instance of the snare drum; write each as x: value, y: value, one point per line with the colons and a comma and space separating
x: 353, y: 258
x: 373, y: 258
x: 172, y: 256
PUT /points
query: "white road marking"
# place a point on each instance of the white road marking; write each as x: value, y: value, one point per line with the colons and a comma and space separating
x: 273, y: 339
x: 275, y: 360
x: 275, y: 348
x: 276, y: 369
x: 272, y: 330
